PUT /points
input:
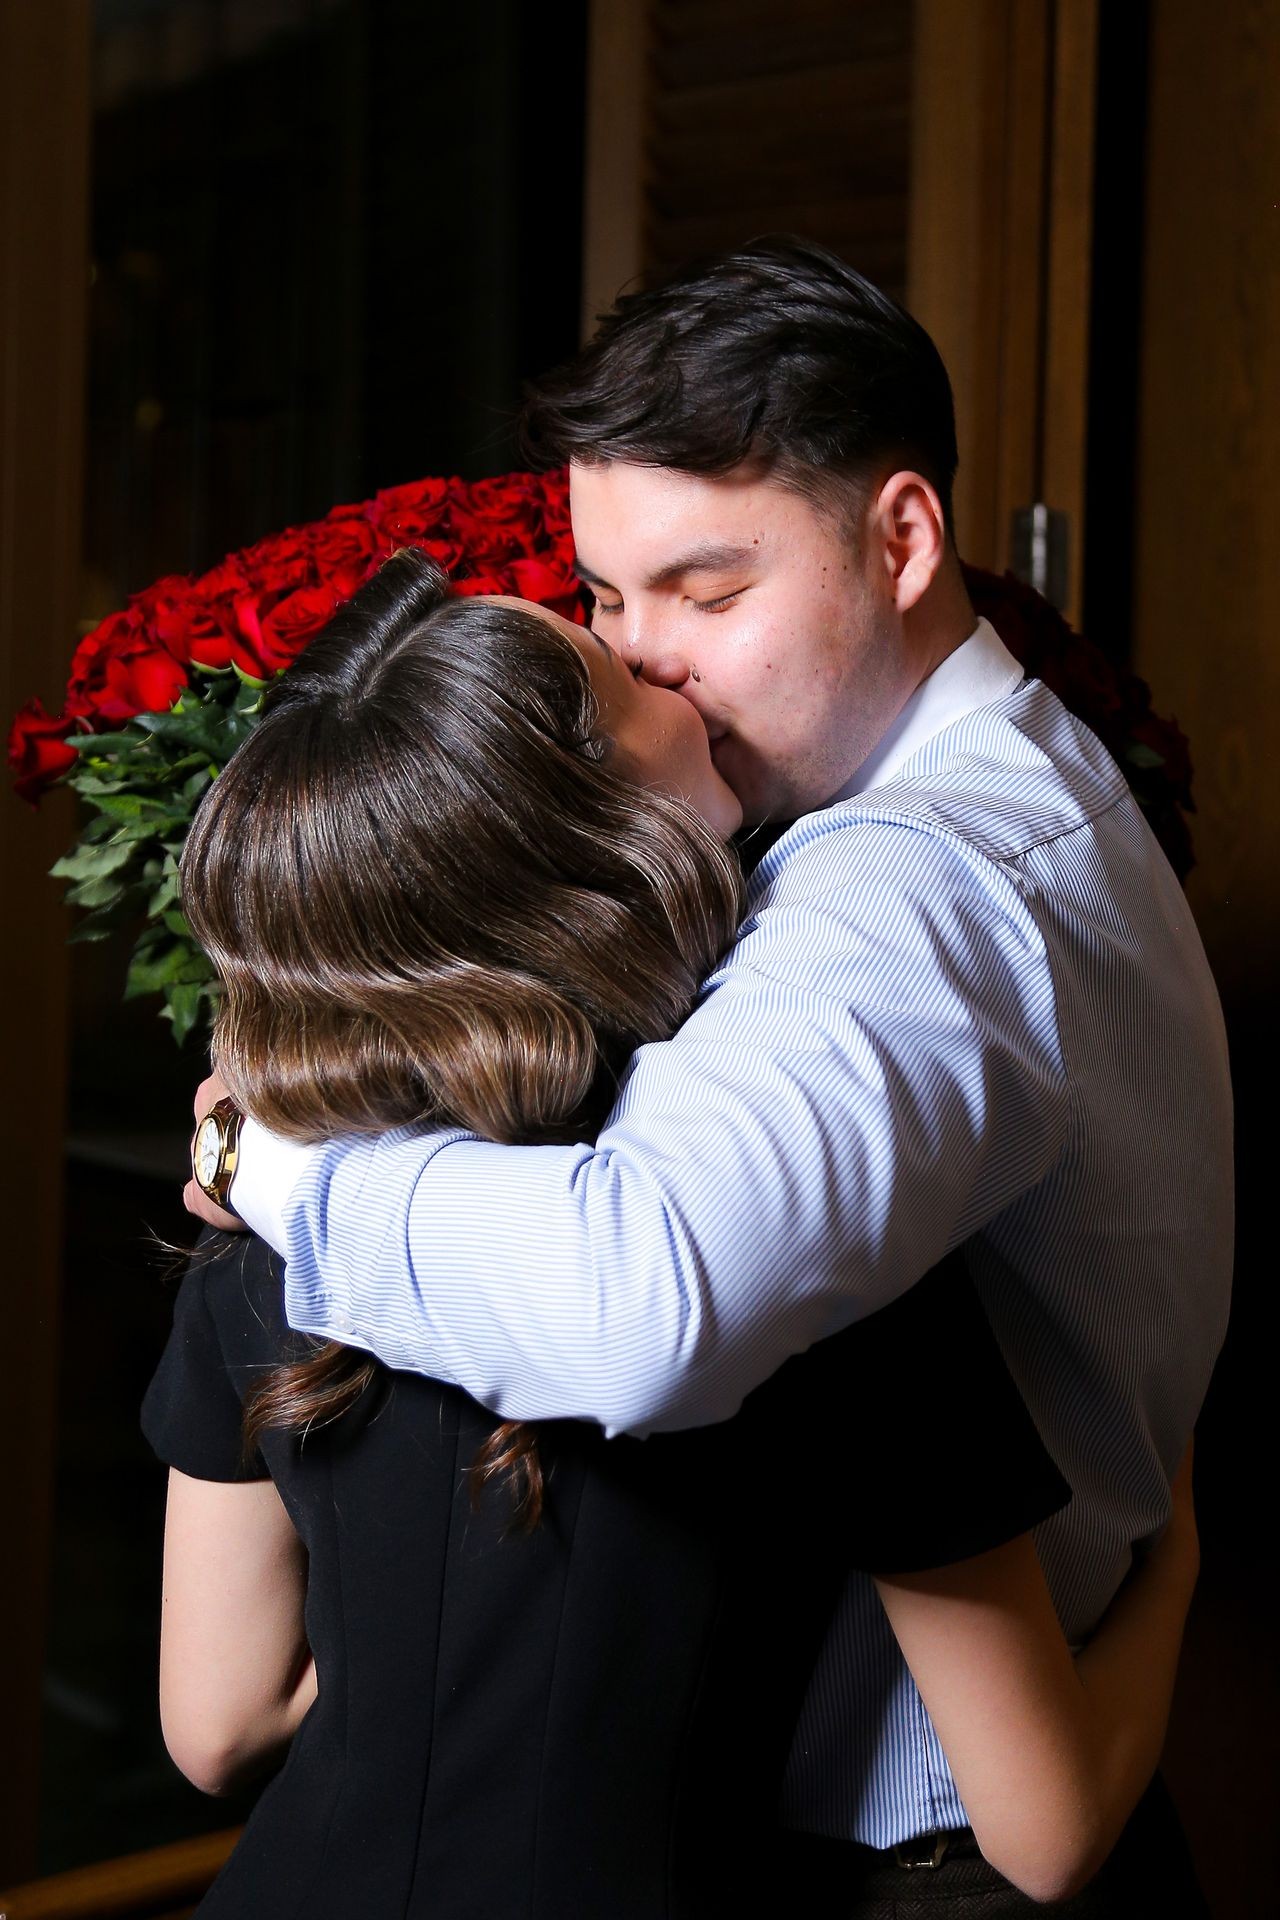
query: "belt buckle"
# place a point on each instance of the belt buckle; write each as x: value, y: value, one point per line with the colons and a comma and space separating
x: 927, y: 1850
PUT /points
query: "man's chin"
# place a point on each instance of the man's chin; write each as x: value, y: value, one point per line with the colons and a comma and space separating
x: 764, y: 799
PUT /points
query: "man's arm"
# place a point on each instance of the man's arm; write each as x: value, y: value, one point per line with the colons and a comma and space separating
x: 873, y: 1074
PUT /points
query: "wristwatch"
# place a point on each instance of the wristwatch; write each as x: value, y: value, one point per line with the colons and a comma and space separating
x: 215, y: 1149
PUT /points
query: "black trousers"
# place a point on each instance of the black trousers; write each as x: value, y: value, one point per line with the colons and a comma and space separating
x: 1149, y: 1876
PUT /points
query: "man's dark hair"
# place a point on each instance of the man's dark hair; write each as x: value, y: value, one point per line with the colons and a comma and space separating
x: 778, y: 355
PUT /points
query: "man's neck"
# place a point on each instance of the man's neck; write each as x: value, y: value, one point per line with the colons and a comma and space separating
x: 942, y: 620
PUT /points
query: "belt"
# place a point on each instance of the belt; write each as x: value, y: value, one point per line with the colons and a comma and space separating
x: 929, y: 1850
x: 833, y: 1868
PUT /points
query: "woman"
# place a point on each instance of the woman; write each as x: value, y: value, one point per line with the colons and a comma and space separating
x: 464, y: 867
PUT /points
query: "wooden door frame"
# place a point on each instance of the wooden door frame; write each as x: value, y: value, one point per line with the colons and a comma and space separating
x: 1000, y: 251
x: 614, y: 180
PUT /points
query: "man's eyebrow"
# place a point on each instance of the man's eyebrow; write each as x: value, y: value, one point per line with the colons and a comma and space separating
x: 708, y: 556
x: 584, y: 573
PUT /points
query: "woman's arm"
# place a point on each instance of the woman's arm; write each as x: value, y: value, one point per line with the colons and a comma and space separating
x: 236, y: 1675
x: 1050, y: 1755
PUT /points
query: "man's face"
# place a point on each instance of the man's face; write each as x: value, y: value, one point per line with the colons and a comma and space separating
x: 776, y: 624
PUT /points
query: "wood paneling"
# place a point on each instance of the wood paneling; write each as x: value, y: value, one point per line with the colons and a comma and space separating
x: 768, y: 117
x: 711, y: 121
x: 1207, y: 580
x: 977, y: 199
x: 1207, y: 636
x: 1069, y: 250
x: 1000, y: 244
x: 613, y: 188
x: 44, y: 137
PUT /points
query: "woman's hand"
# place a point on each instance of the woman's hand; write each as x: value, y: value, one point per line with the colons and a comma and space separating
x: 194, y: 1197
x: 1050, y: 1755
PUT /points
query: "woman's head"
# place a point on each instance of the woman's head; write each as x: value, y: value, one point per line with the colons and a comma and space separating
x: 429, y: 885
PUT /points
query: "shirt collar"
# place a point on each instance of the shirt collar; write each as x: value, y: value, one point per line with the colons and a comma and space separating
x: 979, y: 672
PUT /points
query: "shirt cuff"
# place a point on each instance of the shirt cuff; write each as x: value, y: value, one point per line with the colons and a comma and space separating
x: 267, y: 1171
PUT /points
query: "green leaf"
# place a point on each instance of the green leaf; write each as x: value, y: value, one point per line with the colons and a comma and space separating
x: 1140, y: 755
x: 91, y: 862
x: 177, y: 923
x: 104, y: 892
x: 98, y: 827
x: 93, y: 743
x: 103, y: 921
x: 151, y: 971
x: 194, y: 787
x: 202, y: 724
x: 182, y: 1006
x: 93, y: 790
x: 164, y: 897
x: 139, y: 830
x: 119, y: 806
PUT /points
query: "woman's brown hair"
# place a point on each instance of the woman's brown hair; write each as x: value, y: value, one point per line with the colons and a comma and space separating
x: 431, y: 901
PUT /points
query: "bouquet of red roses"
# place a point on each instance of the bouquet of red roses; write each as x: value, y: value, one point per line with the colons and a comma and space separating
x: 161, y: 694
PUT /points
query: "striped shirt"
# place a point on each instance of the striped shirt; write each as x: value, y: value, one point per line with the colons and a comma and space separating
x: 967, y: 1005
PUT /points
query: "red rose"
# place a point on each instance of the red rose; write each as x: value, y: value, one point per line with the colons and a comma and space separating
x: 223, y: 582
x: 1166, y: 738
x: 293, y: 621
x: 510, y: 497
x: 1084, y: 680
x: 345, y: 546
x: 449, y: 555
x: 193, y: 628
x: 500, y: 520
x: 38, y: 753
x: 553, y: 587
x: 121, y: 669
x: 145, y: 679
x: 555, y: 500
x: 279, y: 564
x: 404, y: 515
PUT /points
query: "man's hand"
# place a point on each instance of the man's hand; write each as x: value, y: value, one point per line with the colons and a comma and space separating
x: 194, y: 1198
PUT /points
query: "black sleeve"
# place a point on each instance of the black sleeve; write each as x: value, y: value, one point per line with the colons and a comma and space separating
x: 191, y: 1414
x: 917, y: 1448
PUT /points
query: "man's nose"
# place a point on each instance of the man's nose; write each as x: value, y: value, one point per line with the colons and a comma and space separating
x: 662, y: 664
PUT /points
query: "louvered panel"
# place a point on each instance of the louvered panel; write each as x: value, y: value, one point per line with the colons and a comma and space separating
x: 733, y: 38
x: 770, y: 117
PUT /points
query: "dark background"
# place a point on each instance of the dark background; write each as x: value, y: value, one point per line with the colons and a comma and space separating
x: 330, y: 238
x: 323, y: 262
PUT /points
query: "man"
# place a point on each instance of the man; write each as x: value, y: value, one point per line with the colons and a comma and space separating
x: 967, y: 1005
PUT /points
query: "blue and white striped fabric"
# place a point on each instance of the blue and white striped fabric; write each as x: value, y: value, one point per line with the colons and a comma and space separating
x: 967, y: 1005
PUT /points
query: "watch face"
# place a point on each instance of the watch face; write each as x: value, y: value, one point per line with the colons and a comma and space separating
x: 207, y: 1150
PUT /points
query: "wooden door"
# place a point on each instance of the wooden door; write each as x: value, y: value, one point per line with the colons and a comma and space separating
x: 1001, y: 228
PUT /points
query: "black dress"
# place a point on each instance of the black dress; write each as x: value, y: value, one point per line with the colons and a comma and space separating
x: 590, y: 1722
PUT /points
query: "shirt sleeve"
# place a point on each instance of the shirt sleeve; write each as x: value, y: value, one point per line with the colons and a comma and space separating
x: 871, y: 1075
x: 268, y: 1169
x: 191, y: 1414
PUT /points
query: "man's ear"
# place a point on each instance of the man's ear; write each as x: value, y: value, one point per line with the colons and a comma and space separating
x: 914, y: 534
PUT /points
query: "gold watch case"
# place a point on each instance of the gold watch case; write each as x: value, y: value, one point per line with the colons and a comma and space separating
x: 215, y: 1149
